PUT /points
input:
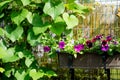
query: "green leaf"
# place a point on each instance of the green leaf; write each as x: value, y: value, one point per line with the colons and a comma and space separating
x: 50, y: 73
x: 1, y: 32
x: 26, y: 2
x: 28, y: 61
x: 36, y: 75
x: 2, y: 15
x: 2, y: 69
x: 29, y: 17
x: 10, y: 57
x: 20, y: 74
x: 71, y: 20
x: 59, y: 26
x: 36, y: 21
x: 14, y: 34
x: 41, y: 29
x: 9, y: 71
x: 3, y: 53
x: 20, y: 54
x: 19, y: 16
x: 3, y: 4
x: 70, y: 1
x: 32, y: 39
x: 53, y: 10
x: 2, y: 44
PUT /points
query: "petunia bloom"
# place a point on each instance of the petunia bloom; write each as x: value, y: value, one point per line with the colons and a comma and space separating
x: 89, y: 43
x: 115, y: 42
x: 105, y: 48
x: 98, y: 37
x: 61, y: 44
x: 94, y: 40
x: 104, y: 42
x: 79, y: 47
x: 109, y: 38
x: 46, y: 48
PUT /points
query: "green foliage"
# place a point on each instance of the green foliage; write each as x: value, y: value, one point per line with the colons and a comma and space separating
x: 26, y: 2
x: 36, y: 75
x: 27, y: 24
x: 3, y: 4
x: 54, y: 9
x: 19, y: 16
x: 2, y: 69
x: 14, y: 34
x: 70, y: 20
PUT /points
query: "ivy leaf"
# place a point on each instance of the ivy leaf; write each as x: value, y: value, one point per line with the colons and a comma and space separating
x: 32, y: 39
x: 10, y: 57
x: 71, y: 20
x: 36, y: 21
x: 36, y: 75
x: 19, y: 16
x: 20, y: 74
x: 28, y: 61
x: 9, y: 70
x: 38, y: 26
x: 4, y: 3
x: 29, y: 17
x: 50, y: 73
x: 3, y: 44
x: 2, y: 69
x: 26, y: 2
x: 41, y: 29
x: 58, y: 27
x: 3, y: 53
x: 14, y: 34
x: 20, y: 54
x: 53, y: 10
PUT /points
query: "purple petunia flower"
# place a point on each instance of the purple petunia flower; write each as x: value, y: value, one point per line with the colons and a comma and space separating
x: 61, y: 44
x: 79, y: 47
x: 46, y: 48
x: 105, y: 48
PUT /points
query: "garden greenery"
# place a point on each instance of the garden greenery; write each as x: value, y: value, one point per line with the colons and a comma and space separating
x: 25, y: 24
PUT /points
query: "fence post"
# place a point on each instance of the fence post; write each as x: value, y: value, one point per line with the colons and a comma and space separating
x: 71, y: 71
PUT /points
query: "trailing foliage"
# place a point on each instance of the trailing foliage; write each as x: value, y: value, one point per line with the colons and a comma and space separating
x: 23, y: 25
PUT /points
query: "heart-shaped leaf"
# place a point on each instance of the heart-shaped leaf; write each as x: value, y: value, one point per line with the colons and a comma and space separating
x: 36, y: 75
x: 26, y: 2
x: 58, y: 26
x: 53, y: 10
x: 37, y: 21
x: 70, y: 20
x: 28, y: 61
x: 3, y: 53
x: 10, y: 57
x: 19, y: 16
x: 20, y: 75
x: 32, y: 39
x: 14, y: 34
